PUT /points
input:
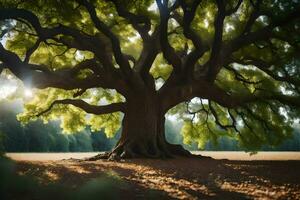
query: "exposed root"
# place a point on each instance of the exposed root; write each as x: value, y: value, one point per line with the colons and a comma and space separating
x: 129, y: 150
x: 99, y: 156
x: 178, y: 150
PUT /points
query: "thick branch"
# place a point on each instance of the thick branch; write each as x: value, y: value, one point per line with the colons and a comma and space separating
x: 147, y: 56
x: 215, y: 58
x: 168, y: 51
x: 223, y: 52
x: 264, y: 33
x: 1, y: 67
x: 206, y: 90
x: 59, y: 79
x: 120, y: 59
x: 92, y: 109
x: 12, y: 13
x: 264, y: 66
x: 234, y: 9
x: 146, y: 59
x: 189, y: 14
x: 42, y: 77
x: 31, y: 50
x: 253, y: 16
x: 140, y: 22
x: 200, y: 47
x: 81, y: 41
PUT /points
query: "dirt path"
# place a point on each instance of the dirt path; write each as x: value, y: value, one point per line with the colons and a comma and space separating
x: 179, y: 178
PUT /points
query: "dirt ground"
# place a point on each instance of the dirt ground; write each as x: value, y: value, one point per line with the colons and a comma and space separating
x: 181, y: 178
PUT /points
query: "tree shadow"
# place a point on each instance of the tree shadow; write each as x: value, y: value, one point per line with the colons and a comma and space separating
x: 91, y: 177
x: 224, y: 179
x: 277, y: 172
x: 189, y: 178
x: 198, y: 183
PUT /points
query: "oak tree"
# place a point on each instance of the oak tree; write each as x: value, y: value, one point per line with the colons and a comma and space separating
x: 226, y: 67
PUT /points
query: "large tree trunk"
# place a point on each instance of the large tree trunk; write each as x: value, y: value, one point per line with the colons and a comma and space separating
x: 143, y: 132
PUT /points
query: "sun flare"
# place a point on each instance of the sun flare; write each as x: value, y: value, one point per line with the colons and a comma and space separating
x: 7, y: 90
x: 28, y: 92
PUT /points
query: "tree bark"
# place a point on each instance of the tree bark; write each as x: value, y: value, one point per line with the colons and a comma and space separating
x: 143, y: 132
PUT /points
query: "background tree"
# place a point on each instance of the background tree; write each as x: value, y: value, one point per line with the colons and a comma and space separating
x: 142, y: 58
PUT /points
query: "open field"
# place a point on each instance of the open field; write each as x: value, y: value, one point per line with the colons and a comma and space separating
x: 267, y: 175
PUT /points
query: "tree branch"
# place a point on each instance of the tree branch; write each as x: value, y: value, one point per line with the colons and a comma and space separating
x: 234, y: 9
x: 140, y: 22
x: 42, y: 77
x: 168, y: 51
x: 31, y: 50
x: 264, y: 33
x: 264, y: 66
x: 215, y: 58
x: 206, y: 90
x: 189, y: 14
x: 92, y: 109
x: 147, y: 57
x: 240, y: 77
x: 253, y: 16
x: 216, y: 116
x: 81, y: 41
x: 120, y: 59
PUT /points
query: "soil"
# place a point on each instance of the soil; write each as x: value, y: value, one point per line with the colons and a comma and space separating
x: 180, y: 178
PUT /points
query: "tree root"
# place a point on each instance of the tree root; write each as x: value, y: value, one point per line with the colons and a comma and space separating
x: 131, y: 151
x: 100, y: 156
x: 177, y: 149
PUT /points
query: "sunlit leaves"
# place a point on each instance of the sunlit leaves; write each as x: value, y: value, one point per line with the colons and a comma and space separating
x: 199, y: 133
x: 73, y: 119
x: 10, y: 86
x: 110, y: 123
x: 160, y: 68
x: 131, y: 43
x: 204, y: 20
x: 41, y: 101
x: 52, y: 12
x: 227, y: 81
x: 263, y: 123
x: 19, y: 42
x: 256, y: 125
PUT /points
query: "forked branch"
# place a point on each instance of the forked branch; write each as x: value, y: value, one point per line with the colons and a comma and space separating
x: 101, y: 26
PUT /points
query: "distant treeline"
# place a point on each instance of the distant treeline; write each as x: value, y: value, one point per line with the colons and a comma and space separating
x: 228, y: 144
x: 39, y: 137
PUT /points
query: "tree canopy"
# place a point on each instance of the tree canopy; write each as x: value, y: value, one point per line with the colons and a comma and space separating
x: 224, y: 67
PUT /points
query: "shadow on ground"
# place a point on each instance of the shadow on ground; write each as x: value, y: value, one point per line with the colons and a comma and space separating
x: 181, y: 178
